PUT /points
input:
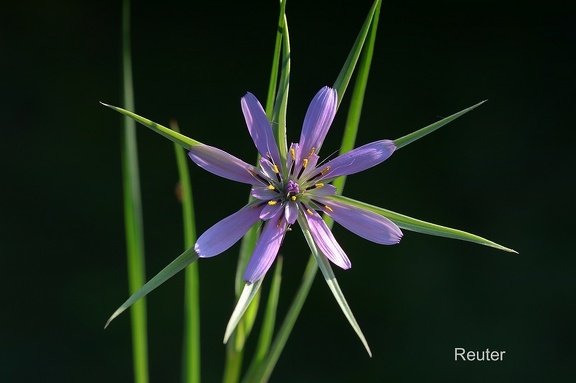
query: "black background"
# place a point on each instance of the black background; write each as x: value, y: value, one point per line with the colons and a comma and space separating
x: 504, y: 171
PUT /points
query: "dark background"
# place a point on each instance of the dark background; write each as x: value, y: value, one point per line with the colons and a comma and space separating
x: 505, y: 171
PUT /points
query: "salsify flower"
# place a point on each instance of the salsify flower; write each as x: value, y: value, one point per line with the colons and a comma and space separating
x: 300, y: 185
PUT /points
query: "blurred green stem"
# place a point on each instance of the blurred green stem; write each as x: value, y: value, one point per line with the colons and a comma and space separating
x: 191, y: 347
x: 133, y: 210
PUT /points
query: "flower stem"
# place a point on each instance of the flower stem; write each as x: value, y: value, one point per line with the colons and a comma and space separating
x: 191, y: 346
x: 133, y: 210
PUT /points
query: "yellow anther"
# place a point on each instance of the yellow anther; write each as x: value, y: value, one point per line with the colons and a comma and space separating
x: 309, y: 211
x: 271, y: 187
x: 272, y: 202
x: 325, y: 170
x: 319, y: 185
x: 305, y: 162
x: 276, y: 169
x: 293, y: 154
x: 311, y: 151
x: 293, y: 198
x: 328, y: 208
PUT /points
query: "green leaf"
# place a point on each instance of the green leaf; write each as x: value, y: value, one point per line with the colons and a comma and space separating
x: 191, y: 339
x: 413, y: 224
x: 168, y: 272
x: 347, y: 70
x: 330, y: 278
x: 134, y: 226
x: 281, y: 104
x: 248, y: 294
x: 267, y: 330
x: 408, y: 139
x: 180, y: 139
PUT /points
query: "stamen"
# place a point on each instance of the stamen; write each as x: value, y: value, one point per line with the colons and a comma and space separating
x: 324, y: 171
x: 272, y: 202
x: 271, y: 187
x: 318, y: 185
x: 275, y: 167
x: 293, y: 198
x: 328, y: 208
x: 304, y: 164
x: 311, y: 151
x: 258, y: 176
x: 293, y: 154
x: 309, y: 212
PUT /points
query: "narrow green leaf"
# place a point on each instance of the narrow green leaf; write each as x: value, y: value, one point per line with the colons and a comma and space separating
x: 357, y: 99
x: 180, y: 139
x: 409, y: 138
x: 191, y: 347
x: 347, y: 70
x: 330, y: 278
x: 275, y: 61
x: 248, y: 294
x: 267, y: 330
x: 264, y: 370
x: 168, y: 272
x: 134, y: 225
x: 281, y: 105
x: 413, y: 224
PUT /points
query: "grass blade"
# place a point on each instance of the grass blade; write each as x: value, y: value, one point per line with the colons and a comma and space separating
x: 168, y: 272
x: 133, y: 210
x: 191, y: 347
x: 177, y: 138
x: 413, y: 224
x: 409, y: 138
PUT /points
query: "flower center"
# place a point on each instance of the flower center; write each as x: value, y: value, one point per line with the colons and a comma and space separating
x: 292, y: 190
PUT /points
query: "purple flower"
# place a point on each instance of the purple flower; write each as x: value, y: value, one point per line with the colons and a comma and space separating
x: 299, y: 185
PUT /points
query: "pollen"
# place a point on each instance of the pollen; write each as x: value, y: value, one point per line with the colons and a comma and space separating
x: 293, y: 198
x: 293, y: 154
x: 271, y: 187
x: 272, y: 202
x: 276, y: 169
x: 328, y: 208
x: 309, y: 212
x: 305, y: 163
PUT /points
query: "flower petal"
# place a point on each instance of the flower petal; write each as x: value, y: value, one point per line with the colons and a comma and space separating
x: 326, y: 242
x: 264, y: 193
x: 266, y: 249
x: 359, y: 159
x: 362, y: 222
x: 270, y: 211
x: 222, y: 164
x: 227, y: 232
x: 322, y: 191
x: 259, y: 127
x: 318, y: 119
x: 291, y: 212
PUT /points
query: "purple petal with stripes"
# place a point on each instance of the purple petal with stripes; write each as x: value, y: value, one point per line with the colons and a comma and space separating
x: 259, y: 127
x: 326, y: 242
x: 359, y: 159
x: 227, y: 232
x: 266, y: 249
x: 222, y: 164
x: 362, y: 222
x: 318, y: 119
